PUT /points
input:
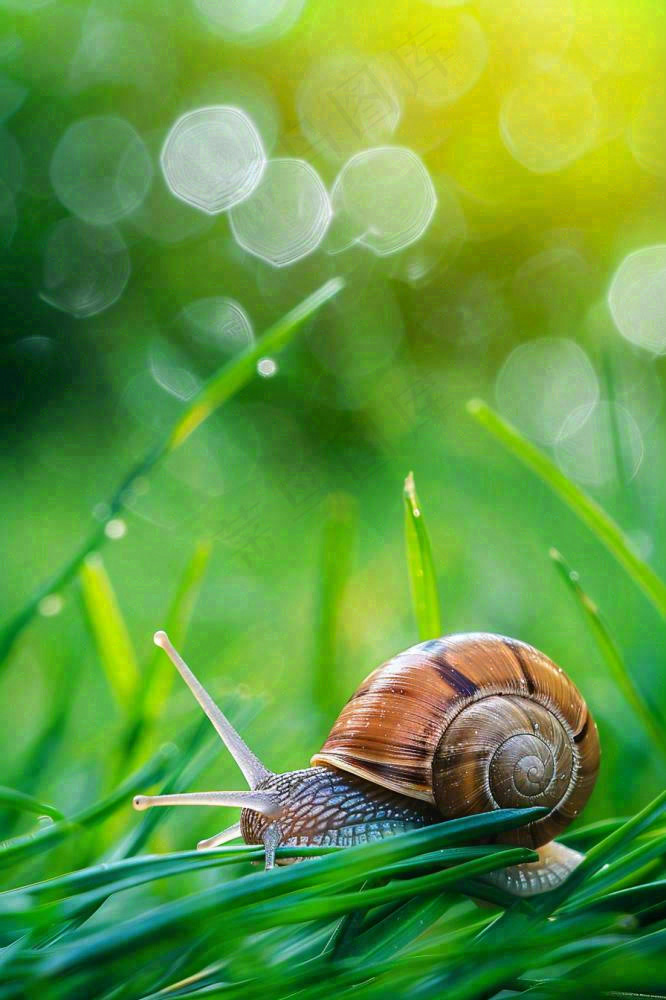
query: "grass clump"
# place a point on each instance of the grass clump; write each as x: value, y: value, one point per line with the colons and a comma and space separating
x: 87, y: 912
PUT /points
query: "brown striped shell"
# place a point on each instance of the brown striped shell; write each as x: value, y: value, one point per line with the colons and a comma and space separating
x: 472, y: 722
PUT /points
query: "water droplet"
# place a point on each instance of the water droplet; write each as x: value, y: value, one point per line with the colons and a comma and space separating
x: 51, y: 605
x: 115, y: 529
x: 267, y: 367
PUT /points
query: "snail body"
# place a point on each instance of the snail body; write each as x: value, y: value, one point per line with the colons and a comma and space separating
x: 451, y: 727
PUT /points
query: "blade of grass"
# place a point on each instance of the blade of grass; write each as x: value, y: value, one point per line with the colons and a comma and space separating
x: 397, y: 930
x: 610, y: 652
x: 335, y: 563
x: 611, y: 876
x: 422, y: 579
x: 109, y: 631
x: 45, y: 838
x: 10, y: 798
x: 588, y: 510
x: 130, y: 937
x: 158, y: 675
x: 220, y: 387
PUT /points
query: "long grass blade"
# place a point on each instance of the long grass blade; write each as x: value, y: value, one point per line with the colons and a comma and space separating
x: 160, y: 673
x: 110, y: 632
x: 610, y: 652
x: 337, y: 550
x: 168, y: 922
x: 588, y: 510
x: 422, y: 579
x: 11, y: 799
x: 158, y: 676
x: 221, y: 387
x: 45, y: 838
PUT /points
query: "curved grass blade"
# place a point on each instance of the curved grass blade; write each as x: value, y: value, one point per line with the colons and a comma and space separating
x: 158, y: 677
x: 422, y: 579
x: 109, y: 631
x: 588, y: 510
x: 160, y: 673
x: 130, y: 938
x: 219, y: 388
x: 337, y: 551
x: 45, y: 838
x: 11, y: 799
x: 610, y: 652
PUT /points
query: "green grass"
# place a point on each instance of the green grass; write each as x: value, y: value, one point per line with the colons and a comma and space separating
x: 400, y: 917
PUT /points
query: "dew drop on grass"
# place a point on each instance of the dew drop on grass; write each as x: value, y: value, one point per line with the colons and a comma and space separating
x: 116, y: 528
x: 382, y: 198
x: 541, y: 383
x: 213, y: 158
x: 550, y: 118
x: 267, y: 367
x: 101, y: 170
x: 637, y: 298
x: 86, y: 268
x: 51, y: 605
x: 287, y: 216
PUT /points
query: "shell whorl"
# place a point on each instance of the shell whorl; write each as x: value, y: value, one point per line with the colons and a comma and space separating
x: 471, y: 723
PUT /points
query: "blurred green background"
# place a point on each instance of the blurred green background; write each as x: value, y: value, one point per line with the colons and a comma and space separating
x: 542, y: 128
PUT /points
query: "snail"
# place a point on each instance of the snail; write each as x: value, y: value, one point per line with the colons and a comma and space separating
x: 450, y: 727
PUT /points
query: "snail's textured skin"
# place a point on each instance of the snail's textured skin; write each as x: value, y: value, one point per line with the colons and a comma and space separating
x: 322, y: 806
x: 470, y: 723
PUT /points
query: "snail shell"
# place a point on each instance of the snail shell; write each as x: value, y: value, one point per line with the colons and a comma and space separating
x: 472, y: 723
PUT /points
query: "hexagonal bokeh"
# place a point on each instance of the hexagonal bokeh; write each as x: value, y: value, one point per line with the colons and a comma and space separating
x: 287, y: 216
x: 101, y: 170
x: 213, y: 158
x: 86, y: 268
x: 382, y: 198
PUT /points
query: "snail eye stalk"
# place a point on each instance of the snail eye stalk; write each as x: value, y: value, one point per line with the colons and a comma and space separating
x: 252, y: 768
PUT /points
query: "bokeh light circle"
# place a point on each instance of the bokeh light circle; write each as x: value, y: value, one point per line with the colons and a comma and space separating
x: 646, y: 132
x: 541, y: 383
x: 250, y: 22
x: 441, y: 65
x: 382, y: 198
x: 218, y: 323
x: 287, y: 216
x: 550, y: 118
x: 593, y: 441
x: 637, y: 298
x: 345, y: 103
x: 101, y: 169
x: 86, y: 268
x: 213, y: 158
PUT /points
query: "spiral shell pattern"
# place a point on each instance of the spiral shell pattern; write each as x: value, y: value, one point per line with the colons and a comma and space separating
x: 472, y: 722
